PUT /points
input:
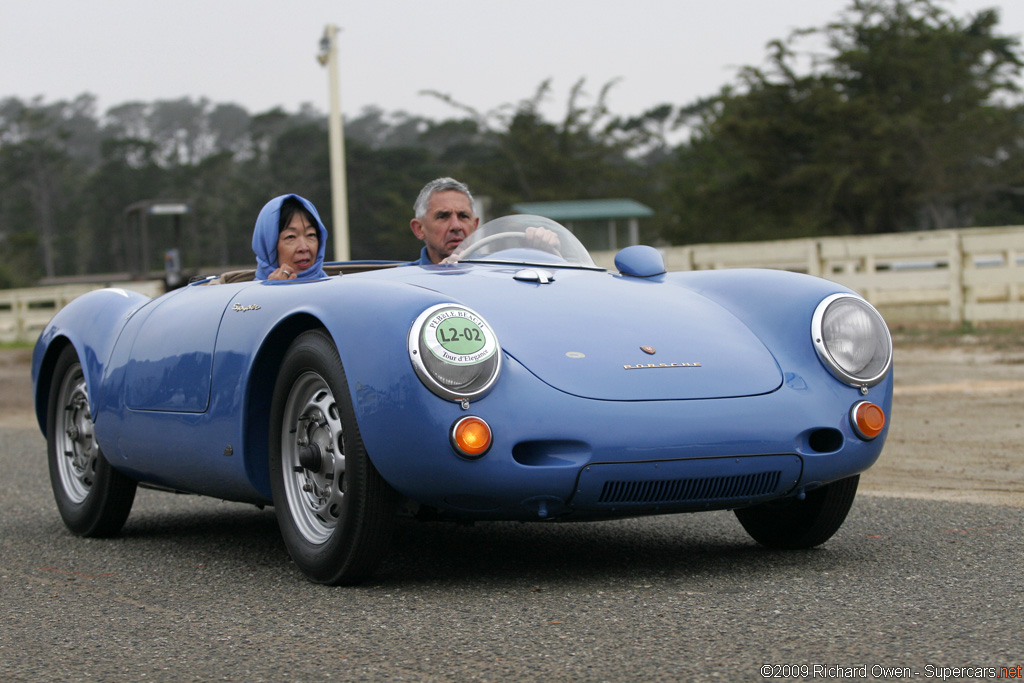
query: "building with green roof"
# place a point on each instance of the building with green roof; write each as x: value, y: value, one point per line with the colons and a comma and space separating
x: 601, y: 224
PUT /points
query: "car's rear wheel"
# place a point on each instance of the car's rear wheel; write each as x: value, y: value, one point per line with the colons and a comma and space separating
x: 93, y: 498
x: 794, y: 524
x: 335, y: 511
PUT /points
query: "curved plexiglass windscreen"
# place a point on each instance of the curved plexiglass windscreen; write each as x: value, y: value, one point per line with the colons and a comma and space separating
x: 523, y: 239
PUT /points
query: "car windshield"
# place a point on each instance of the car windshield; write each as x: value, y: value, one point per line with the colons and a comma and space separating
x: 525, y: 239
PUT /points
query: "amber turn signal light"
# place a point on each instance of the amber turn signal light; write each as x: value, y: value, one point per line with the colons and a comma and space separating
x: 471, y: 436
x: 868, y: 419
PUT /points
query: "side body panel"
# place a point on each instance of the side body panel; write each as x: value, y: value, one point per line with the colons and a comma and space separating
x: 180, y: 414
x: 171, y: 403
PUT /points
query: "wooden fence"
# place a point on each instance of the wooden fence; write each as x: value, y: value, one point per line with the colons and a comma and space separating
x: 968, y: 275
x: 24, y: 312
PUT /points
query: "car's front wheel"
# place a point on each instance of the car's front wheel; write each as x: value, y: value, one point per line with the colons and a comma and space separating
x: 335, y: 511
x: 93, y: 498
x: 801, y: 523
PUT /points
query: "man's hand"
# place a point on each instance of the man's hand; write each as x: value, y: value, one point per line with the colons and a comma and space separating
x: 542, y: 238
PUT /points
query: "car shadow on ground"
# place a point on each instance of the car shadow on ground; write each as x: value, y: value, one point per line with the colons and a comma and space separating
x: 180, y: 528
x: 664, y: 546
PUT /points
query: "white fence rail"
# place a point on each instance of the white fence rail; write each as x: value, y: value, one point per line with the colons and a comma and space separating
x: 24, y: 312
x: 968, y: 275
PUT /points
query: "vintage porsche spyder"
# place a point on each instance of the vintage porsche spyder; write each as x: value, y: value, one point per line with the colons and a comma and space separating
x: 513, y: 383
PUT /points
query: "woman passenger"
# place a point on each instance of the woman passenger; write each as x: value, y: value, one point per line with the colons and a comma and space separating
x: 289, y: 240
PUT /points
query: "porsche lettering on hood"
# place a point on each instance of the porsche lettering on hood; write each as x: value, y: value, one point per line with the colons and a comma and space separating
x: 644, y: 366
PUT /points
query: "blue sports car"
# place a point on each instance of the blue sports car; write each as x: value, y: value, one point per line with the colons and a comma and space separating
x: 511, y: 383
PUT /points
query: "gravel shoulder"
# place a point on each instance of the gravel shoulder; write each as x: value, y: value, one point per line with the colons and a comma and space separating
x: 956, y: 430
x: 957, y: 425
x: 16, y: 388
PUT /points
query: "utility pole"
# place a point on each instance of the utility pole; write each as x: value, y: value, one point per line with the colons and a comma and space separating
x: 339, y: 190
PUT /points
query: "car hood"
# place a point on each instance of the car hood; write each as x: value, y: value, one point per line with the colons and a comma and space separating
x: 600, y: 336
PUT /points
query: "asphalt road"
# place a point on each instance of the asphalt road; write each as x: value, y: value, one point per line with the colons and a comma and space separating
x: 201, y: 590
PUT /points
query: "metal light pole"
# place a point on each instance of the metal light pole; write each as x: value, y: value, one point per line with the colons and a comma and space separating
x: 339, y: 192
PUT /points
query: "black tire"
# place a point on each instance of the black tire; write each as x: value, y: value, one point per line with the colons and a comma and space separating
x: 794, y: 524
x: 93, y: 498
x: 335, y: 511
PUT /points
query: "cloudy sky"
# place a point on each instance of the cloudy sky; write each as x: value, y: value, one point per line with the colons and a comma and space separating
x: 262, y: 53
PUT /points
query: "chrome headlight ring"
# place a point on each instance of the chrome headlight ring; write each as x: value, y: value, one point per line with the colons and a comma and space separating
x: 852, y: 340
x: 455, y: 352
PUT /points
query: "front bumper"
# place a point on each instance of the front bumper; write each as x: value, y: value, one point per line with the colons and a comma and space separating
x: 556, y: 455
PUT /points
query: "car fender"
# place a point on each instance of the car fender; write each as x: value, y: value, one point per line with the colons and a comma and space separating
x: 91, y: 323
x: 775, y: 305
x: 778, y: 307
x: 368, y: 321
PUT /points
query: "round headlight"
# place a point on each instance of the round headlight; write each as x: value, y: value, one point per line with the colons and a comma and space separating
x: 454, y: 351
x: 852, y: 340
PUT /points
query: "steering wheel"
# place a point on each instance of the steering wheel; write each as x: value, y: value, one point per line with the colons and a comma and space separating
x: 519, y: 238
x: 491, y: 239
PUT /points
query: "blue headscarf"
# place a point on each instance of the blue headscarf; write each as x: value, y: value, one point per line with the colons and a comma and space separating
x: 264, y: 239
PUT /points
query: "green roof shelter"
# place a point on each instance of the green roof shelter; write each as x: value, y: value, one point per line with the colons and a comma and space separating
x: 601, y: 224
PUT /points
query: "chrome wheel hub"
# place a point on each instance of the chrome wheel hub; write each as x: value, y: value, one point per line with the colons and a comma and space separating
x: 312, y: 458
x: 77, y: 451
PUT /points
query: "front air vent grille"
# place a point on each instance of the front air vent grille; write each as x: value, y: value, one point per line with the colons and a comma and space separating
x: 690, y: 490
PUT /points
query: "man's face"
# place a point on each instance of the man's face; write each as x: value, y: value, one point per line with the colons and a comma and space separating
x: 449, y: 220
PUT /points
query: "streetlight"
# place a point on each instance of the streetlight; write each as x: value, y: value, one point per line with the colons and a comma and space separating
x: 339, y: 193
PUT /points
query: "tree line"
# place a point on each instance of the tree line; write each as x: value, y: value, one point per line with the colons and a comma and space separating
x: 896, y: 116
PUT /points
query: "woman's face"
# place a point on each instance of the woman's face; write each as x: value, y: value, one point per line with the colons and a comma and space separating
x: 297, y: 244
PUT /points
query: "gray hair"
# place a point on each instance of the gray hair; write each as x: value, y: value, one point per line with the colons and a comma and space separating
x: 433, y: 187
